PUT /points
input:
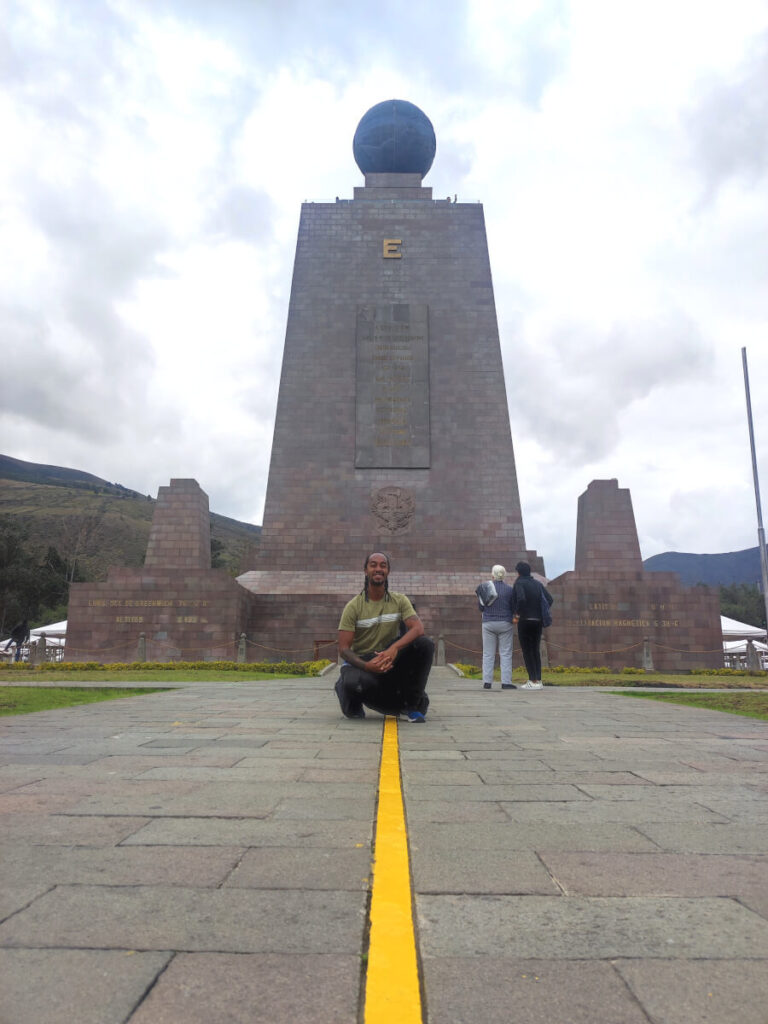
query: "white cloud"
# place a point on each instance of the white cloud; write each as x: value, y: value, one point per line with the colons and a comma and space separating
x: 157, y: 152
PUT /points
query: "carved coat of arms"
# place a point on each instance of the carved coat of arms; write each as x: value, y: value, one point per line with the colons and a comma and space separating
x: 392, y: 508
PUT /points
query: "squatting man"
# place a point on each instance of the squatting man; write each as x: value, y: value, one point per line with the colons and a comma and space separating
x: 386, y: 656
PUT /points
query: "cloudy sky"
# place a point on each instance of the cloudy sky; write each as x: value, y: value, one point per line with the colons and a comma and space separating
x: 156, y: 153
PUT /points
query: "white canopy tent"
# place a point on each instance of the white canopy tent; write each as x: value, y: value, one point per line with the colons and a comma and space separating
x: 736, y: 636
x: 734, y: 630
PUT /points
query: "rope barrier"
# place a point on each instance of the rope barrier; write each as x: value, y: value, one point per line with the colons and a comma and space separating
x: 288, y: 650
x: 680, y: 650
x: 573, y: 650
x: 232, y: 641
x: 453, y: 643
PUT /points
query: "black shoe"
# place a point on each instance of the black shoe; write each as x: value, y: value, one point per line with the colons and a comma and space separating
x: 508, y: 686
x: 487, y: 686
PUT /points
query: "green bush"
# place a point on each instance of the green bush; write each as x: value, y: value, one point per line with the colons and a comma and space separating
x: 577, y: 668
x: 279, y: 668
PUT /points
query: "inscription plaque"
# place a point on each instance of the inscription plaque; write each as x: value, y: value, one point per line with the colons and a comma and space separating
x: 392, y: 387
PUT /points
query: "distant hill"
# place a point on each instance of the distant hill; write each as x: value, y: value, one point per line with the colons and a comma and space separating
x: 107, y: 523
x: 33, y: 472
x: 715, y: 570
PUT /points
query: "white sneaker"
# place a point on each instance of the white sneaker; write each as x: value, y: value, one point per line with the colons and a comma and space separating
x: 530, y: 685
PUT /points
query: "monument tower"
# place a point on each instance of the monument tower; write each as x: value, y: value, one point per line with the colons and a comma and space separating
x: 392, y: 430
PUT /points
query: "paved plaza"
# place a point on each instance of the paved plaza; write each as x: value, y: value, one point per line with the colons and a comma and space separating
x: 203, y: 855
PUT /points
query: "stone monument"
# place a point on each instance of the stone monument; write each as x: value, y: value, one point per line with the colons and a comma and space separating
x: 175, y: 608
x: 610, y: 611
x: 392, y: 430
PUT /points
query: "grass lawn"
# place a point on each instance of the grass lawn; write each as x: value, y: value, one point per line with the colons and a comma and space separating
x: 681, y: 681
x: 671, y: 681
x: 21, y: 700
x: 753, y: 705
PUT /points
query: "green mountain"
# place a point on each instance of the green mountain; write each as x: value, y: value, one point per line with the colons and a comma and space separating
x: 94, y: 524
x: 715, y: 570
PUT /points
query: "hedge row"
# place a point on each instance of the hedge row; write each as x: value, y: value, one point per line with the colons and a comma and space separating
x: 277, y: 668
x: 472, y: 671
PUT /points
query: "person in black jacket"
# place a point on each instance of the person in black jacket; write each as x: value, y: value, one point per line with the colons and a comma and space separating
x: 531, y: 602
x: 19, y: 636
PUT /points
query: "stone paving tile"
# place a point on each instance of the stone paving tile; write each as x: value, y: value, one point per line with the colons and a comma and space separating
x: 165, y: 917
x: 203, y: 988
x: 699, y: 992
x: 735, y: 791
x: 66, y: 757
x: 657, y: 874
x: 532, y: 836
x: 654, y: 808
x: 553, y: 927
x: 480, y: 811
x: 437, y: 870
x: 745, y: 808
x: 693, y: 777
x: 275, y: 867
x: 277, y: 770
x: 65, y: 830
x: 81, y: 787
x: 17, y: 895
x: 53, y: 986
x: 325, y: 808
x: 367, y: 776
x: 567, y: 778
x: 150, y: 799
x: 20, y: 801
x: 120, y: 865
x: 417, y: 790
x: 253, y: 832
x: 500, y: 990
x: 694, y: 838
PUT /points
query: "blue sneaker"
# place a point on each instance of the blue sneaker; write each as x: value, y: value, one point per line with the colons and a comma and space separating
x: 414, y: 716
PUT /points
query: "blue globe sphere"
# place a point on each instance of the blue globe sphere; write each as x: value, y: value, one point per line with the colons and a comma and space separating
x: 394, y: 137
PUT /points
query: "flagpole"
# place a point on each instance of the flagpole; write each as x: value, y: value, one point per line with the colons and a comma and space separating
x: 760, y: 530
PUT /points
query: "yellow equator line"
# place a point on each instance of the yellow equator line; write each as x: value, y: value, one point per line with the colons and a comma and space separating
x: 392, y: 992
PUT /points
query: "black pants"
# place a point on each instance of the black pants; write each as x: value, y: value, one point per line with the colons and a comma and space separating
x: 400, y: 689
x: 529, y: 635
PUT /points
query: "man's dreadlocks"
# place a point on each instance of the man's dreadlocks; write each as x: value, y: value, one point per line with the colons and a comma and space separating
x: 364, y: 591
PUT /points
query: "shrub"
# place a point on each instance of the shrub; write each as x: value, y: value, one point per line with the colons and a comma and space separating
x: 286, y: 668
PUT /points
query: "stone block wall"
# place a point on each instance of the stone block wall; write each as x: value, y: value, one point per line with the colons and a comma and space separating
x: 296, y: 614
x: 603, y: 619
x: 606, y: 534
x: 460, y: 509
x: 180, y: 537
x: 184, y: 610
x: 189, y: 615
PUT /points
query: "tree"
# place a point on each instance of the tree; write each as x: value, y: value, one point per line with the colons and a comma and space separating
x: 18, y: 576
x: 743, y: 602
x: 218, y: 554
x: 81, y: 534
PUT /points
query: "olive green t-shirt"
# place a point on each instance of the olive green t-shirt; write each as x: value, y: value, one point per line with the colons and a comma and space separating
x: 376, y: 624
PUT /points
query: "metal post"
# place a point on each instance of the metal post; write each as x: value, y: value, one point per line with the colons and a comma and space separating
x: 544, y: 653
x: 441, y: 650
x: 760, y: 530
x: 141, y: 653
x: 241, y: 649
